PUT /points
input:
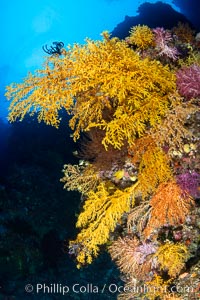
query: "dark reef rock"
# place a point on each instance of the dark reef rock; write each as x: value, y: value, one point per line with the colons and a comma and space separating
x: 152, y: 15
x: 191, y: 9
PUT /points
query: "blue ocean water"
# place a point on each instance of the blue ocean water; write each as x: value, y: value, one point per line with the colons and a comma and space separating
x: 28, y: 25
x: 31, y: 154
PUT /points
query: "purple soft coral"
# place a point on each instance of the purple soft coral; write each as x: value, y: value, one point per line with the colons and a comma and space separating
x: 162, y: 38
x: 143, y: 250
x: 188, y: 81
x: 189, y: 182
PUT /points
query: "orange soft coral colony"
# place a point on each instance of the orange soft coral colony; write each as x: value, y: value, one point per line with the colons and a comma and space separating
x: 169, y: 206
x: 102, y: 84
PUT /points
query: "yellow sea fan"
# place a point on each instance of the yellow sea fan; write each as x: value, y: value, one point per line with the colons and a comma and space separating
x: 153, y: 165
x: 141, y: 36
x: 172, y: 257
x: 101, y: 84
x: 100, y: 215
x: 77, y: 179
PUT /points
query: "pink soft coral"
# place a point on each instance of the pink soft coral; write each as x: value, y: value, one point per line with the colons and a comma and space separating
x: 188, y: 81
x: 162, y: 38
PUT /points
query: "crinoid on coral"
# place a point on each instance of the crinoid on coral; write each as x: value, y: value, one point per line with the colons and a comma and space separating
x: 56, y: 49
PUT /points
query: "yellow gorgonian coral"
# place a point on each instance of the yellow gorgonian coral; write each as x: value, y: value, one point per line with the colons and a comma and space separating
x: 153, y: 165
x: 101, y: 212
x: 172, y: 130
x: 172, y: 257
x: 77, y: 179
x: 141, y: 36
x: 102, y: 84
